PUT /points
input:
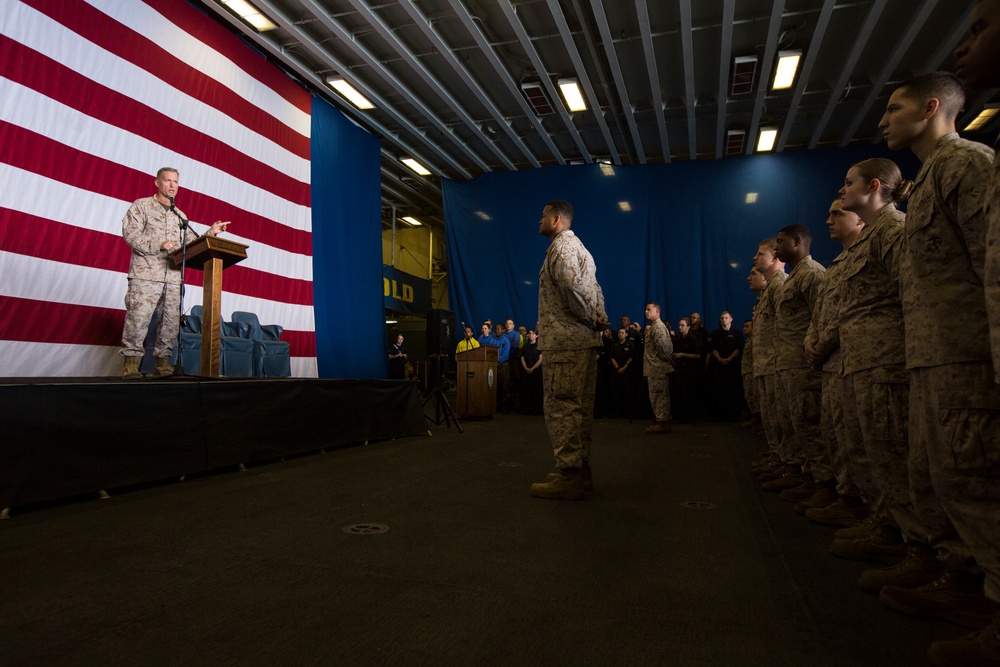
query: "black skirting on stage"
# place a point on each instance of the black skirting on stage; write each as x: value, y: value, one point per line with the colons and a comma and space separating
x: 64, y: 437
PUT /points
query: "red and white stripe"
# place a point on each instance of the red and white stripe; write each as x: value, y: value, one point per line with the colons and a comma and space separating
x: 95, y: 96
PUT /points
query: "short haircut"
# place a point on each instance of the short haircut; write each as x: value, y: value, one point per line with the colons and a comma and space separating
x: 655, y: 305
x: 798, y: 230
x: 771, y: 245
x: 944, y: 86
x: 561, y: 207
x: 159, y: 172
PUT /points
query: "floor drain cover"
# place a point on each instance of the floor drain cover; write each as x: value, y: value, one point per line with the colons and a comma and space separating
x: 698, y: 505
x: 510, y: 464
x: 365, y: 528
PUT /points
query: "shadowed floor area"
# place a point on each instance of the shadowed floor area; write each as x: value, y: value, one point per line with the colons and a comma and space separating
x: 676, y: 558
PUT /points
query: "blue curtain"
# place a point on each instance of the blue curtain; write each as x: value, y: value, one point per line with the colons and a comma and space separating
x: 347, y: 247
x: 686, y: 240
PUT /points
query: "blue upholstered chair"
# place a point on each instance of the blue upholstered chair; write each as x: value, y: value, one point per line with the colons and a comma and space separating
x: 272, y: 356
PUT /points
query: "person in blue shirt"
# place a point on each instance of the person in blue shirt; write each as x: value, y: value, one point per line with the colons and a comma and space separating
x: 498, y: 340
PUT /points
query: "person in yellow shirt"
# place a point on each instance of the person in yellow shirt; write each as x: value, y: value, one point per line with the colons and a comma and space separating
x: 467, y: 343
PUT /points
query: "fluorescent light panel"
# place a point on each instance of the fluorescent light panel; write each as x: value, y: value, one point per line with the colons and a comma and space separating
x: 250, y: 14
x: 570, y: 90
x: 768, y: 135
x: 984, y: 118
x: 350, y: 93
x: 784, y: 73
x: 410, y: 220
x: 415, y: 166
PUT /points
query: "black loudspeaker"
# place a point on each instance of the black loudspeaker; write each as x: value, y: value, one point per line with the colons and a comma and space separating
x: 441, y: 334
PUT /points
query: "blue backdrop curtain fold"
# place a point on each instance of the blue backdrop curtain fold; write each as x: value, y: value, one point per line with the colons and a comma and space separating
x: 347, y: 247
x: 683, y: 235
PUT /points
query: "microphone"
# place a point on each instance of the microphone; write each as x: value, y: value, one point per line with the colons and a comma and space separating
x: 171, y: 202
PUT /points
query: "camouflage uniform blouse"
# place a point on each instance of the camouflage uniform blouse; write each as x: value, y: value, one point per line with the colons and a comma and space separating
x: 941, y: 275
x: 824, y: 328
x: 992, y: 271
x: 871, y: 315
x: 569, y: 299
x: 763, y: 326
x: 146, y: 225
x: 657, y: 348
x: 793, y: 308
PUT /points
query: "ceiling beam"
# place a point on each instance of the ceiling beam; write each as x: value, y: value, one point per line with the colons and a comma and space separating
x: 687, y: 58
x: 546, y: 80
x: 582, y: 77
x: 860, y: 40
x: 616, y: 71
x: 463, y: 74
x: 416, y: 64
x: 725, y: 57
x: 812, y: 54
x: 919, y: 18
x: 346, y: 39
x: 655, y: 93
x: 766, y: 65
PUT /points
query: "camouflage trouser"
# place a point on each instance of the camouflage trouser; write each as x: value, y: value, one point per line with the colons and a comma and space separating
x: 768, y: 397
x: 882, y: 406
x: 835, y: 433
x: 142, y: 299
x: 569, y: 379
x: 955, y: 445
x: 801, y: 391
x: 659, y: 396
x: 750, y: 393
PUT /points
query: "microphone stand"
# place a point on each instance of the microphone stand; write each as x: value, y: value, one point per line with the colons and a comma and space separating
x: 179, y: 366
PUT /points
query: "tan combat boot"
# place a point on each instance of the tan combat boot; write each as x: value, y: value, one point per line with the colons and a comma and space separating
x: 163, y: 367
x: 131, y: 369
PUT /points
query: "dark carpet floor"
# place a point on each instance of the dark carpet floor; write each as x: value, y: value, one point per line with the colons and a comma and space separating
x: 677, y: 558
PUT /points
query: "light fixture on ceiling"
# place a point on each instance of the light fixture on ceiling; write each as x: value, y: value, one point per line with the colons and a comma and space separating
x: 349, y: 92
x: 410, y: 220
x: 988, y: 113
x: 535, y: 94
x: 744, y: 75
x: 607, y: 169
x: 250, y: 14
x: 415, y: 166
x: 765, y: 142
x: 570, y: 89
x: 784, y: 73
x: 735, y: 141
x: 624, y: 206
x: 751, y: 198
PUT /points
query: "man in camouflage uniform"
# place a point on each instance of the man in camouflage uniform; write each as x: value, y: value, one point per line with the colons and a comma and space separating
x: 842, y: 507
x: 152, y: 228
x: 954, y: 402
x: 773, y: 271
x: 976, y: 65
x: 799, y: 386
x: 746, y: 373
x: 570, y: 318
x: 657, y: 366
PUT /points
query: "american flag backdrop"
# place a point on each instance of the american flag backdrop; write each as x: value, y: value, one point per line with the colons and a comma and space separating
x: 95, y: 96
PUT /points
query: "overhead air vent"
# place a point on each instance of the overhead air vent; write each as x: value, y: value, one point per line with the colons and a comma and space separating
x: 535, y: 94
x: 744, y: 75
x: 735, y: 141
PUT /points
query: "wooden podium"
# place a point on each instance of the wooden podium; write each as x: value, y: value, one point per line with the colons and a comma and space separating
x: 477, y: 382
x: 212, y: 255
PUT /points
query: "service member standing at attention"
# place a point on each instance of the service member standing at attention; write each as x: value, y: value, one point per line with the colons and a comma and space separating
x: 570, y: 318
x: 657, y: 366
x: 954, y: 401
x: 152, y: 228
x: 799, y: 386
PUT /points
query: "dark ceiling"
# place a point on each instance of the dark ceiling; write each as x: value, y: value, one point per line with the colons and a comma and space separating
x: 658, y: 76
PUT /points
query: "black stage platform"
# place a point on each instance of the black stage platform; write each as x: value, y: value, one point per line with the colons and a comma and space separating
x: 65, y: 437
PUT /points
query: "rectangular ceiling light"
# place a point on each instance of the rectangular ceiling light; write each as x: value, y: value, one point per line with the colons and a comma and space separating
x: 570, y: 90
x: 744, y: 75
x: 784, y: 73
x: 413, y: 222
x: 984, y: 118
x: 250, y: 14
x: 349, y: 92
x: 535, y: 94
x: 768, y: 135
x: 415, y: 166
